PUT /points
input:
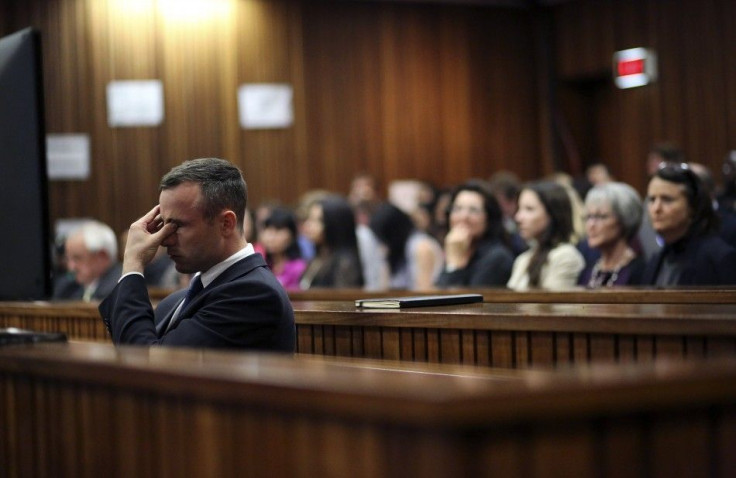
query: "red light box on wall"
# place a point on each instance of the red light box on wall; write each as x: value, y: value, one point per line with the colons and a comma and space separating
x: 634, y: 67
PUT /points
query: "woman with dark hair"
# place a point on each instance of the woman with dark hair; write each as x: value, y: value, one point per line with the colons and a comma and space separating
x: 330, y: 225
x: 283, y: 254
x: 546, y: 223
x: 682, y: 215
x: 414, y: 257
x: 477, y: 251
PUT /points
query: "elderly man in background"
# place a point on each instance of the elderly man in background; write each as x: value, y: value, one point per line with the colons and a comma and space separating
x: 91, y: 252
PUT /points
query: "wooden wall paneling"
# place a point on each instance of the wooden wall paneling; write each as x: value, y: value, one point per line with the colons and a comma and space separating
x: 483, y: 348
x: 567, y: 446
x: 304, y: 336
x: 319, y: 339
x: 522, y: 349
x: 420, y: 345
x: 434, y: 350
x: 406, y: 344
x: 726, y: 441
x: 391, y: 343
x: 683, y: 442
x: 602, y: 348
x: 622, y: 450
x: 703, y: 84
x: 645, y: 349
x: 580, y: 348
x: 626, y: 348
x: 542, y: 349
x: 502, y: 349
x: 372, y: 346
x: 414, y: 88
x: 584, y: 37
x: 695, y: 347
x: 342, y: 82
x: 670, y: 347
x: 267, y: 33
x: 343, y: 341
x: 511, y: 92
x: 450, y: 346
x: 504, y: 95
x: 456, y: 99
x: 358, y: 342
x: 719, y: 346
x: 125, y: 168
x: 726, y: 12
x: 468, y: 347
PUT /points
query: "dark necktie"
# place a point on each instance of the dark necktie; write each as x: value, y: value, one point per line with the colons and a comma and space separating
x: 195, y: 287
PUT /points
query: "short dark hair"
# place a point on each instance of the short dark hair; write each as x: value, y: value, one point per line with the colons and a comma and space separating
x: 222, y: 185
x: 284, y: 218
x: 704, y: 218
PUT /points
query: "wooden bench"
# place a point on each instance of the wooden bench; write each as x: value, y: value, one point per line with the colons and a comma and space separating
x: 89, y: 409
x: 495, y: 335
x: 626, y: 295
x: 518, y: 335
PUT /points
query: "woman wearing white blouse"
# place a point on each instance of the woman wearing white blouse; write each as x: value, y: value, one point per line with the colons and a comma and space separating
x: 545, y: 222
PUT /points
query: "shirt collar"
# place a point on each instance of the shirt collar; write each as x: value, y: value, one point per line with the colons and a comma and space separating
x: 217, y: 269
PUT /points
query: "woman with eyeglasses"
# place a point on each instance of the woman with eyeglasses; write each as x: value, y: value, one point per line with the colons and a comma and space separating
x: 477, y: 252
x: 613, y: 215
x: 545, y: 222
x: 683, y: 217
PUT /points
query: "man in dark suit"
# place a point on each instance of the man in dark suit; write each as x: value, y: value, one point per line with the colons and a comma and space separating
x: 237, y: 302
x: 91, y: 253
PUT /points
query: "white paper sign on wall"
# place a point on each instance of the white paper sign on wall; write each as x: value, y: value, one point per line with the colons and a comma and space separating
x: 67, y: 156
x: 265, y: 105
x: 135, y: 103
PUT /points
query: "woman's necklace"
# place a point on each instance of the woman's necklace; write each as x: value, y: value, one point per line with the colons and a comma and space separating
x: 604, y: 278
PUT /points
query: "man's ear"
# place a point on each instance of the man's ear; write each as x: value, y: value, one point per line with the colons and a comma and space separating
x: 228, y: 222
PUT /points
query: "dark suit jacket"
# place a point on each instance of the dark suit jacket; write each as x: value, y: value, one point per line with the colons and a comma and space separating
x: 66, y: 288
x: 705, y: 260
x: 490, y: 265
x: 245, y: 307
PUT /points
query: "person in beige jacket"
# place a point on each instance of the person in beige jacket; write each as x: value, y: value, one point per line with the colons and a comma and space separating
x: 545, y: 222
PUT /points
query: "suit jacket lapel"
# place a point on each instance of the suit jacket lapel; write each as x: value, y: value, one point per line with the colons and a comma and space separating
x: 238, y: 269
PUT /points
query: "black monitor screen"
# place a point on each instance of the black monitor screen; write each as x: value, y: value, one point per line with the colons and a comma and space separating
x: 25, y: 248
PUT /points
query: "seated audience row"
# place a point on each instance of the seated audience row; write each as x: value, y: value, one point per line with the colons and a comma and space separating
x: 376, y: 245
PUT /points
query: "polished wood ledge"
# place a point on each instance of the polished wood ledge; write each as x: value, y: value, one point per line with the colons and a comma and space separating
x: 626, y: 295
x: 519, y: 335
x: 85, y: 409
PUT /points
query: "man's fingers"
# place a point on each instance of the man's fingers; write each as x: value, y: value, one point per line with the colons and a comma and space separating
x: 165, y: 230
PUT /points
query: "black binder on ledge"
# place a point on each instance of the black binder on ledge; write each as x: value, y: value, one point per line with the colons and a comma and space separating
x: 418, y: 301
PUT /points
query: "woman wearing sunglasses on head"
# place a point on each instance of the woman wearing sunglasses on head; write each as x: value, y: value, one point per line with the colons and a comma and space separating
x: 683, y: 217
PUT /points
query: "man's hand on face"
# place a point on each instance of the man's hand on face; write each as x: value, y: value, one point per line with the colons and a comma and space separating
x: 144, y: 238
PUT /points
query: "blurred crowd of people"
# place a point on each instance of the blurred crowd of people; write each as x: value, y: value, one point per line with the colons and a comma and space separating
x: 554, y: 233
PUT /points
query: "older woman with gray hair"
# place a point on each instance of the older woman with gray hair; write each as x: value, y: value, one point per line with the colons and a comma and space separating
x: 612, y: 216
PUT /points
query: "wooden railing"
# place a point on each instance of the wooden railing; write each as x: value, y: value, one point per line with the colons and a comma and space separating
x: 96, y: 410
x: 491, y: 335
x: 518, y: 335
x: 626, y: 295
